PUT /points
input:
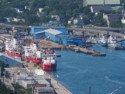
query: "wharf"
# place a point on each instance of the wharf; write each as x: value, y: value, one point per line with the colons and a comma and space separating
x: 49, y: 44
x: 59, y: 88
x: 87, y: 51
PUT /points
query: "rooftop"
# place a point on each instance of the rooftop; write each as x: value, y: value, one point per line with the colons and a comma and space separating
x: 44, y: 89
x: 51, y: 31
x: 102, y: 2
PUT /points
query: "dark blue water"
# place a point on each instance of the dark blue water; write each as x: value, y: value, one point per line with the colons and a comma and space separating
x: 105, y: 75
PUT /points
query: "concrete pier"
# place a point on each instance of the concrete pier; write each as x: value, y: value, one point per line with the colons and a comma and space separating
x: 58, y: 87
x: 87, y: 51
x: 49, y: 44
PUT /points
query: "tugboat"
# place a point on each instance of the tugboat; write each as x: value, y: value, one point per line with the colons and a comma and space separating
x: 113, y: 43
x: 49, y: 63
x: 103, y: 41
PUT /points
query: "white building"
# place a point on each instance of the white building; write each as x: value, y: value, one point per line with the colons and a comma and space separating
x: 100, y: 2
x: 123, y: 17
x: 18, y: 20
x: 18, y: 10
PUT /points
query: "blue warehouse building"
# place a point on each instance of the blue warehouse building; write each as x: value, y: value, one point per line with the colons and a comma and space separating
x: 52, y: 33
x: 68, y: 40
x: 56, y: 34
x: 49, y: 33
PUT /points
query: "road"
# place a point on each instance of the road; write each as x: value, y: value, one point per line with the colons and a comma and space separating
x: 99, y: 30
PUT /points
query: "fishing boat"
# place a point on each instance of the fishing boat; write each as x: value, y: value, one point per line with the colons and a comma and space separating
x: 113, y: 43
x: 102, y: 41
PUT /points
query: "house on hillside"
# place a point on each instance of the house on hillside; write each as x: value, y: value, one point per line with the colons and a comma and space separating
x: 18, y: 10
x: 13, y: 19
x: 123, y: 17
x: 18, y: 20
x: 111, y: 18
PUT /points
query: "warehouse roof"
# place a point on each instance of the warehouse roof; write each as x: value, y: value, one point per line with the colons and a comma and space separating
x: 101, y: 2
x: 99, y: 8
x: 51, y: 31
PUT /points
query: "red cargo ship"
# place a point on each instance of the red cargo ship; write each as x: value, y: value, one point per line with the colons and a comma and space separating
x: 12, y: 48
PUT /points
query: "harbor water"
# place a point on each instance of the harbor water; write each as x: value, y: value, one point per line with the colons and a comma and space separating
x: 80, y: 72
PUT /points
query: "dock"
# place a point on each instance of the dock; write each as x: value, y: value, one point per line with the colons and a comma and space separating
x: 49, y: 44
x: 45, y: 44
x: 58, y: 87
x: 86, y: 50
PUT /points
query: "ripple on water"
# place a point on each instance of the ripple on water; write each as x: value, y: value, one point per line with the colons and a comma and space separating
x: 104, y: 74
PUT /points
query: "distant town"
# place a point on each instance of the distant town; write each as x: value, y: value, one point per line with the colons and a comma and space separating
x: 36, y: 35
x: 79, y: 12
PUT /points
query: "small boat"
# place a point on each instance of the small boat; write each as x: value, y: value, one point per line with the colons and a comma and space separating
x: 98, y: 54
x: 113, y: 43
x: 102, y: 41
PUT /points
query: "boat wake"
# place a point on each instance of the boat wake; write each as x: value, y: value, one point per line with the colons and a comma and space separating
x: 114, y: 81
x: 114, y: 91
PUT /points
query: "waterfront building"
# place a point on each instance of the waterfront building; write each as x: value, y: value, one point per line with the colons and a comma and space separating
x: 68, y: 40
x: 57, y: 34
x: 39, y: 82
x: 48, y: 32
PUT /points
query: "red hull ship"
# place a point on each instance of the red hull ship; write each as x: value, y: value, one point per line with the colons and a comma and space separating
x: 49, y: 64
x: 12, y: 48
x: 34, y: 60
x: 32, y: 54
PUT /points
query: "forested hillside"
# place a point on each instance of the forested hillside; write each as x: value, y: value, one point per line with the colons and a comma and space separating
x: 65, y: 8
x: 36, y: 12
